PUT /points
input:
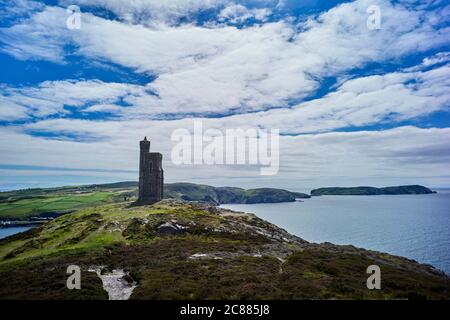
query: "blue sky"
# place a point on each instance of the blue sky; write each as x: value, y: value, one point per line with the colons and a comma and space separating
x: 354, y: 105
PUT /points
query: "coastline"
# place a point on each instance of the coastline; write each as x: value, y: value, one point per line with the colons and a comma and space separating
x: 384, y: 223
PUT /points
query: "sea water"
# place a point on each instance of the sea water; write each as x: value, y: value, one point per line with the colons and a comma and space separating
x: 413, y: 226
x: 9, y: 231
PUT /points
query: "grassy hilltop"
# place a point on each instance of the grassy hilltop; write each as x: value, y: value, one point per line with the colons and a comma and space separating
x: 185, y: 250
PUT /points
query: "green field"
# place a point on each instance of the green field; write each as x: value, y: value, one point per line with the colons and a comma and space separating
x: 50, y: 205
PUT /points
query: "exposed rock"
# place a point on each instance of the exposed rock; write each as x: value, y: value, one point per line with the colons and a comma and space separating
x: 114, y: 226
x: 199, y: 256
x: 115, y: 282
x: 170, y: 228
x: 278, y: 251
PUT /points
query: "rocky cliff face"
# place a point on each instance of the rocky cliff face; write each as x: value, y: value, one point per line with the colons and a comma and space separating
x: 183, y: 250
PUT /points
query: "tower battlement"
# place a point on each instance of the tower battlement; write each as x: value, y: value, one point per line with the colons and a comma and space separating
x: 151, y: 174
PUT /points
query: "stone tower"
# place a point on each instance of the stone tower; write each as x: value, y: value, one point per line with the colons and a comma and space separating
x: 151, y: 175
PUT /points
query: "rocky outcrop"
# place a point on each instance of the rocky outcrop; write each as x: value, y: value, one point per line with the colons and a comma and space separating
x: 115, y: 282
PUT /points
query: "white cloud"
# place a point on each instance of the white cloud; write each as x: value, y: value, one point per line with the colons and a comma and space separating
x: 398, y: 156
x: 237, y: 13
x: 42, y: 37
x: 10, y: 111
x: 364, y: 101
x: 437, y: 59
x: 104, y: 108
x: 355, y: 155
x: 222, y: 68
x: 77, y: 93
x: 19, y: 9
x: 50, y: 97
x: 361, y: 101
x: 146, y: 11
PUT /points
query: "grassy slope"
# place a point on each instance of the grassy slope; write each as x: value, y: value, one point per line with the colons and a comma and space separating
x: 46, y: 205
x: 248, y: 258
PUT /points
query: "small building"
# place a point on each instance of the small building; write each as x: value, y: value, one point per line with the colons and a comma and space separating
x: 151, y: 175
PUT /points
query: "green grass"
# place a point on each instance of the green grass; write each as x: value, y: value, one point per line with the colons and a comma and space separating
x: 26, y: 208
x: 88, y: 228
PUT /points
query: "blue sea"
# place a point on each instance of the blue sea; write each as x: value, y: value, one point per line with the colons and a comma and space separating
x: 413, y: 226
x: 6, y: 232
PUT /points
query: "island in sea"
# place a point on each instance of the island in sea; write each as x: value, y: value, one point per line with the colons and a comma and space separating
x: 369, y: 191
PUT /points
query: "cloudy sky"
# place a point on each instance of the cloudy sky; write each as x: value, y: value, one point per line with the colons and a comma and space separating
x: 355, y: 105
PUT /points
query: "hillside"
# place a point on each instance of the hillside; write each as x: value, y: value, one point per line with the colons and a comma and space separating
x: 53, y: 202
x: 366, y: 191
x: 180, y: 250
